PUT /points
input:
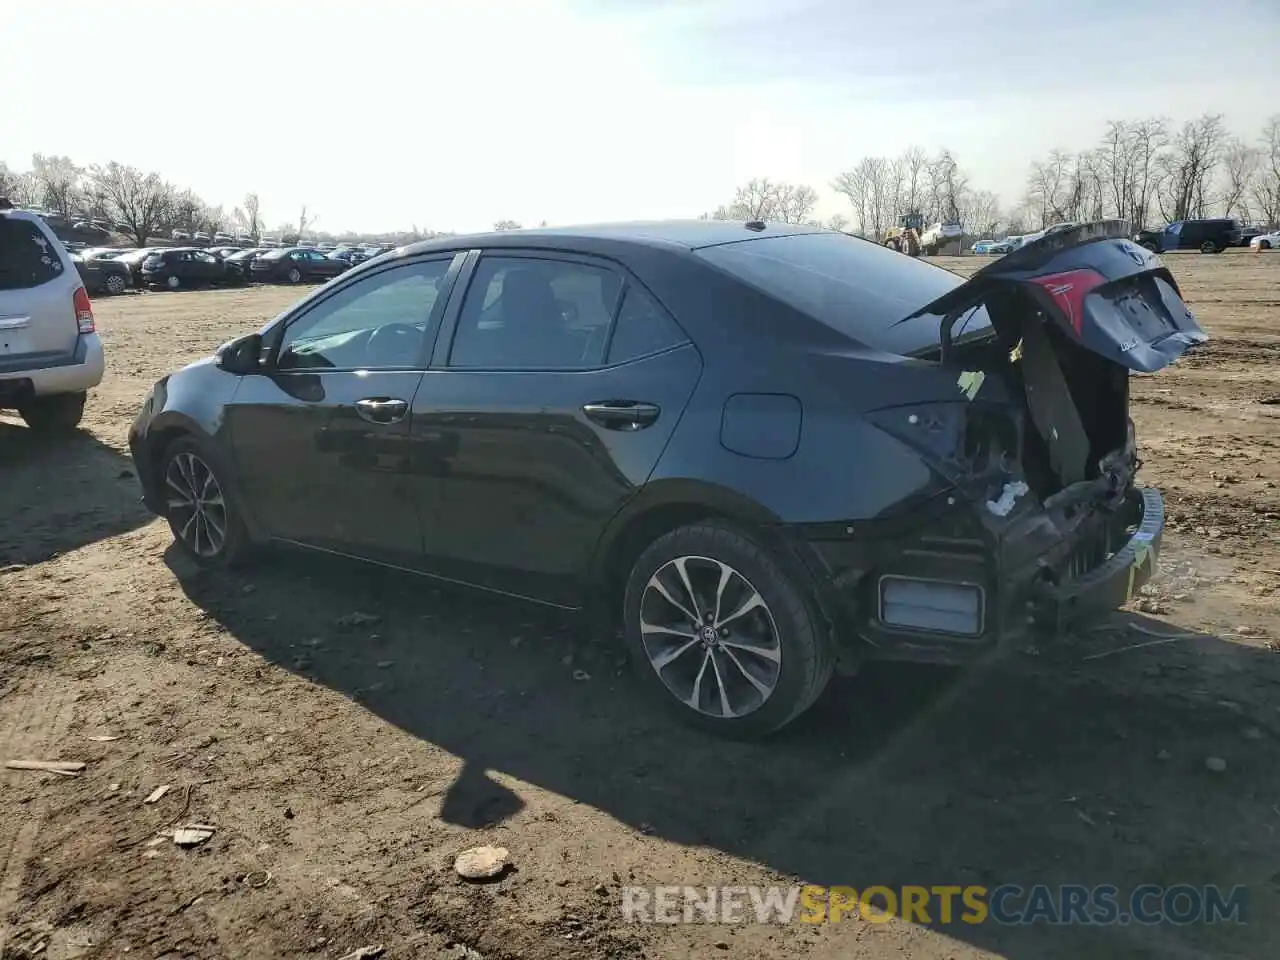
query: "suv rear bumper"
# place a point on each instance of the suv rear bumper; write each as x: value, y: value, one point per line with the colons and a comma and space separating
x: 78, y: 371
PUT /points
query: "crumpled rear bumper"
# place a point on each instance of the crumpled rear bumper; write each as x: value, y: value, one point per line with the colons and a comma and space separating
x: 1027, y: 572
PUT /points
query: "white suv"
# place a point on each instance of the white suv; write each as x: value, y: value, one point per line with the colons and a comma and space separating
x: 50, y: 353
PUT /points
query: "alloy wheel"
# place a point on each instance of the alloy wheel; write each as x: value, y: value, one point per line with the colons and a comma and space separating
x: 197, y: 509
x: 710, y: 636
x: 115, y: 284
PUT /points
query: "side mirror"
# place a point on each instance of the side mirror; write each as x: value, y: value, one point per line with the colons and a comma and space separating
x: 241, y: 356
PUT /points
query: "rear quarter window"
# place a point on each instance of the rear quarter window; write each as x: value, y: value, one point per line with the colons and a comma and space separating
x: 28, y: 258
x: 857, y: 287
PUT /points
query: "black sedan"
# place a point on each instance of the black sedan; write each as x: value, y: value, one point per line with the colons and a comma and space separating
x: 178, y: 267
x: 295, y: 265
x: 133, y: 260
x: 101, y: 272
x: 244, y: 259
x: 772, y: 451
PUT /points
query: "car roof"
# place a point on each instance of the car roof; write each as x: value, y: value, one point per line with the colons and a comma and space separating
x: 680, y: 234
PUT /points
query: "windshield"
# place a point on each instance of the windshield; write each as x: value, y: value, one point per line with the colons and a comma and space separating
x: 855, y: 286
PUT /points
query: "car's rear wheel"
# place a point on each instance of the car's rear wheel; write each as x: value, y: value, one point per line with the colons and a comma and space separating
x: 1208, y: 247
x: 173, y: 283
x: 57, y: 413
x: 116, y: 284
x: 202, y: 515
x: 295, y: 275
x: 724, y: 635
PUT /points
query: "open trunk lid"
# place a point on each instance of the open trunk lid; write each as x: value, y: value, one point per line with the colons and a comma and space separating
x: 1106, y: 293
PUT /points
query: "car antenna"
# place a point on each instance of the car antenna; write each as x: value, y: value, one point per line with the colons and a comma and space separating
x: 756, y: 225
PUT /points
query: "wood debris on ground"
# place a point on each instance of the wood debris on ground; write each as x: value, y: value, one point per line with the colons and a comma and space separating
x: 64, y: 768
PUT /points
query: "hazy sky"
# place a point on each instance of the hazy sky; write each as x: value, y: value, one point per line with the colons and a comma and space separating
x: 382, y: 114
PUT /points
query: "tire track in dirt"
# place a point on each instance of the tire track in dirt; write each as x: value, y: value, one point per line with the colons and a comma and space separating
x: 37, y: 716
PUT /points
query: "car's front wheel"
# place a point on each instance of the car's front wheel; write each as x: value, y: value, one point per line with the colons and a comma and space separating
x: 56, y: 413
x: 116, y: 284
x: 295, y: 275
x: 202, y: 515
x: 1264, y: 245
x: 721, y: 632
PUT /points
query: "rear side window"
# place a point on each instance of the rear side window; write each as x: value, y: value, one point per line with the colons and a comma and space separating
x: 856, y: 287
x: 535, y: 313
x: 27, y: 257
x: 642, y: 328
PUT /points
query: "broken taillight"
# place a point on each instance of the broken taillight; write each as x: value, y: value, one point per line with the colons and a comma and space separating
x: 1068, y: 290
x: 84, y: 311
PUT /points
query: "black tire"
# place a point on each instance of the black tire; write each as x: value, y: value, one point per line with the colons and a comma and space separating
x: 1264, y: 245
x: 806, y: 656
x: 1148, y: 245
x: 294, y: 275
x: 54, y: 414
x: 235, y: 540
x: 115, y: 284
x: 1209, y: 247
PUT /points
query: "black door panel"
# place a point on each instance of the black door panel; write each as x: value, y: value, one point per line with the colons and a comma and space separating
x: 319, y: 473
x: 323, y: 439
x: 519, y: 481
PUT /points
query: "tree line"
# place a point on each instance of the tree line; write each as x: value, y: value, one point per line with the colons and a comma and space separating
x: 1139, y: 170
x: 141, y: 204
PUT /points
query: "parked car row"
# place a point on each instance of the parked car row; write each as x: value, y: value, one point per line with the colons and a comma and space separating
x: 113, y: 270
x: 1207, y: 236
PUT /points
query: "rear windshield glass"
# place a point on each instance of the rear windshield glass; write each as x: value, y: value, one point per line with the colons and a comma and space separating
x: 855, y: 286
x: 27, y: 257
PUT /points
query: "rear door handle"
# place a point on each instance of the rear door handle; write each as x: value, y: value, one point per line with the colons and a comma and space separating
x: 382, y: 409
x: 622, y: 414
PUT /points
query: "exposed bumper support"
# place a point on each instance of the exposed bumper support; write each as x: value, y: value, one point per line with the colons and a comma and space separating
x: 1035, y: 575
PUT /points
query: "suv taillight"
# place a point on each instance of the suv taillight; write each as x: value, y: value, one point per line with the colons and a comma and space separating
x: 84, y: 311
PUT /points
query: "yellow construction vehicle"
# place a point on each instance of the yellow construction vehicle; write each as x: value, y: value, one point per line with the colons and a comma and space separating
x: 905, y: 237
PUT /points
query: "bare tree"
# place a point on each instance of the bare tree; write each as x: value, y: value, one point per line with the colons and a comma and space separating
x: 507, y: 225
x: 184, y: 211
x: 793, y: 202
x: 1240, y: 163
x: 1265, y: 188
x: 1129, y: 156
x: 251, y: 215
x: 8, y: 181
x: 911, y: 172
x: 838, y: 222
x: 1187, y: 169
x: 136, y: 199
x: 979, y: 212
x: 58, y: 181
x: 305, y: 221
x: 765, y: 199
x: 1052, y: 188
x: 852, y: 184
x: 752, y: 201
x: 947, y: 185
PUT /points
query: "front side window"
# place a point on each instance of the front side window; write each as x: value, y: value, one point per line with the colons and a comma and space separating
x: 535, y: 313
x: 383, y: 322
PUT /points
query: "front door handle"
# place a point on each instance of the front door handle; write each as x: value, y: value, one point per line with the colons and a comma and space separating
x: 382, y: 409
x: 622, y: 414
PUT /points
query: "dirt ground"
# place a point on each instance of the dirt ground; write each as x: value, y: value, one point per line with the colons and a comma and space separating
x: 343, y: 765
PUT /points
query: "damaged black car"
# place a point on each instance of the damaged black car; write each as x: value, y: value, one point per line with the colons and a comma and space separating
x: 768, y: 452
